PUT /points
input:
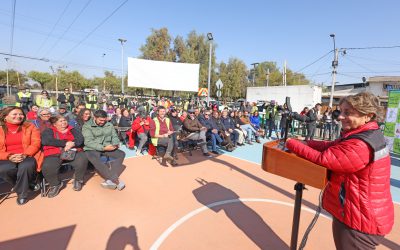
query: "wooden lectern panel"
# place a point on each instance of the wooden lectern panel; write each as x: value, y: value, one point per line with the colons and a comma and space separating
x: 290, y: 166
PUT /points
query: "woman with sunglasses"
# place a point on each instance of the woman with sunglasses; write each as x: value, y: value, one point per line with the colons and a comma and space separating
x: 44, y: 100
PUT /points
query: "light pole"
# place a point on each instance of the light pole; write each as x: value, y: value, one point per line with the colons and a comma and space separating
x: 210, y: 38
x: 254, y: 71
x: 8, y: 86
x: 334, y: 65
x: 104, y: 78
x: 122, y: 41
x: 267, y: 77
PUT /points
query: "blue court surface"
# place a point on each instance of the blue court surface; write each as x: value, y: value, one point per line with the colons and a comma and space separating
x: 253, y: 153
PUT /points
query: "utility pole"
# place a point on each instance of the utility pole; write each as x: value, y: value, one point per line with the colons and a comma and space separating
x: 284, y: 74
x: 122, y: 41
x: 335, y: 64
x: 210, y: 39
x: 104, y: 78
x: 254, y: 72
x: 8, y: 84
x: 267, y: 77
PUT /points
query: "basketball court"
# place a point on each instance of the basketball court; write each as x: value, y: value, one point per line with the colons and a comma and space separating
x: 224, y: 202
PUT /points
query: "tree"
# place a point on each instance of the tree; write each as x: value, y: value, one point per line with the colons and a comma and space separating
x: 109, y: 82
x: 43, y: 78
x: 234, y: 75
x: 72, y: 80
x: 158, y: 46
x: 15, y: 78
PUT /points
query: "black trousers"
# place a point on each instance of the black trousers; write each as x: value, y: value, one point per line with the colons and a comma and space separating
x: 310, y: 131
x: 108, y: 173
x: 52, y: 164
x: 19, y: 174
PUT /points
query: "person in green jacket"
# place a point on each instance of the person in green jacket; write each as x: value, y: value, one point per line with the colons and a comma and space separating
x: 101, y: 139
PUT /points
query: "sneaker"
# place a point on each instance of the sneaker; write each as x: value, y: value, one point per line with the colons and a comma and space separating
x: 138, y: 153
x: 54, y: 190
x: 108, y: 184
x: 77, y: 185
x: 215, y: 152
x: 258, y: 141
x: 207, y: 155
x: 121, y: 185
x: 250, y: 143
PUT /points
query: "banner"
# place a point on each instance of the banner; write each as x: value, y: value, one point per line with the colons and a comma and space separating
x: 163, y: 75
x: 392, y: 122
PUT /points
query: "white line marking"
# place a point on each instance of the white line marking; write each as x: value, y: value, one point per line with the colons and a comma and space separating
x: 185, y: 218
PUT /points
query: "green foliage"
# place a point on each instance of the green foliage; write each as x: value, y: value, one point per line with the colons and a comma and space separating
x: 158, y: 46
x: 234, y: 77
x: 73, y: 80
x: 43, y: 78
x: 15, y: 78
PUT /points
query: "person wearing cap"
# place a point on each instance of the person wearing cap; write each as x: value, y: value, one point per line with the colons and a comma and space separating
x: 91, y: 100
x: 197, y: 131
x: 43, y: 100
x: 23, y: 99
x: 63, y: 110
x: 67, y: 99
x: 141, y: 127
x: 122, y: 101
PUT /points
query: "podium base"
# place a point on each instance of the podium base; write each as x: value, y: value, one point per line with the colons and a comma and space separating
x: 296, y: 215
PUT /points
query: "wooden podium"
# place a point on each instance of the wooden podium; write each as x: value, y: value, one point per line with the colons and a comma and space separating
x: 290, y: 166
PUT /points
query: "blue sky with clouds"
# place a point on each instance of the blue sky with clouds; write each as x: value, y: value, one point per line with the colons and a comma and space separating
x: 254, y: 31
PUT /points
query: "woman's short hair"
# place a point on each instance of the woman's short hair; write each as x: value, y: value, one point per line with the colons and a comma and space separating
x: 55, y: 119
x: 40, y: 110
x: 365, y: 103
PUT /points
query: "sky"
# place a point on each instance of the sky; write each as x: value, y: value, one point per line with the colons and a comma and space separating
x: 253, y: 31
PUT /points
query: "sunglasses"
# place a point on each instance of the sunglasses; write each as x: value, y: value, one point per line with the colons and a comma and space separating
x: 206, y: 114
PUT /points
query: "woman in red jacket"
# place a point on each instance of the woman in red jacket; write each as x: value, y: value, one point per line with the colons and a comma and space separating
x: 141, y: 127
x: 20, y: 153
x: 358, y: 192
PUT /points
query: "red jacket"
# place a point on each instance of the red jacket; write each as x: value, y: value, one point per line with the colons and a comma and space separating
x: 358, y: 192
x: 137, y: 128
x: 30, y: 143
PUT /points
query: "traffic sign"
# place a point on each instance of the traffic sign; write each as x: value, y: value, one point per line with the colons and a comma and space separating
x: 219, y: 93
x: 219, y: 84
x: 203, y: 92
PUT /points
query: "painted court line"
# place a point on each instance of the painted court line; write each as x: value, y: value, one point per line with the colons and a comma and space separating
x: 185, y: 218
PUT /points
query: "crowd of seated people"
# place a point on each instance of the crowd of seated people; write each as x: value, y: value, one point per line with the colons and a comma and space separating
x: 47, y: 138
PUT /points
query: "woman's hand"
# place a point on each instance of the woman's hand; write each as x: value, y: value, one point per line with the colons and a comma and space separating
x: 16, y: 158
x: 69, y: 145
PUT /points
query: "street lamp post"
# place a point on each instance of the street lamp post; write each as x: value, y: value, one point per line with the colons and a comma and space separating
x: 122, y: 41
x: 104, y: 79
x: 254, y: 72
x: 334, y: 65
x: 210, y: 38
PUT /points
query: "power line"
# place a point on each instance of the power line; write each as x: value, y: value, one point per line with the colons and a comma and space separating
x: 13, y: 6
x: 26, y: 57
x: 359, y: 65
x: 69, y: 27
x: 98, y: 26
x: 54, y: 26
x: 317, y: 60
x: 373, y: 47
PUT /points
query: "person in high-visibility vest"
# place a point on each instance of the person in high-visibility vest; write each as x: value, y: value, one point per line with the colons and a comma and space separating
x: 44, y: 100
x: 91, y: 100
x: 23, y: 99
x: 161, y: 132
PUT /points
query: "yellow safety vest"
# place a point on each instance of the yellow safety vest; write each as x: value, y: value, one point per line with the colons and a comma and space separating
x: 154, y: 140
x: 91, y: 99
x: 22, y: 95
x: 43, y: 102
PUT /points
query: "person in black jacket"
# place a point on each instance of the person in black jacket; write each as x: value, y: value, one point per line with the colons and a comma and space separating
x: 311, y: 121
x: 56, y: 139
x: 67, y: 99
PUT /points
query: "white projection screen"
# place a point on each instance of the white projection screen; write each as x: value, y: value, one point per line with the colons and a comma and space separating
x: 163, y: 75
